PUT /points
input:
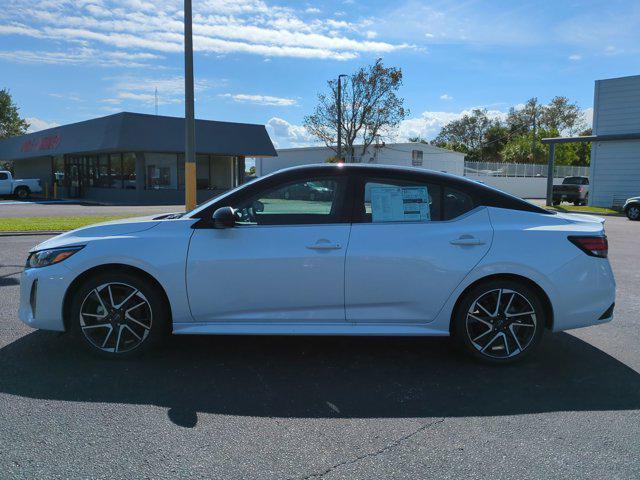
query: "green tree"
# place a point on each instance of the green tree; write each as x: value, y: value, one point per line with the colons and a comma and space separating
x: 370, y: 108
x: 11, y: 124
x: 467, y: 134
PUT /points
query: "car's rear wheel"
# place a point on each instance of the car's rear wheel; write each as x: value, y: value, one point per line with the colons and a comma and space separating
x: 499, y: 321
x: 119, y: 314
x: 633, y: 212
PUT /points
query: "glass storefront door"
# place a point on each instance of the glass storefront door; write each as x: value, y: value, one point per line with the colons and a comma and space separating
x: 75, y: 173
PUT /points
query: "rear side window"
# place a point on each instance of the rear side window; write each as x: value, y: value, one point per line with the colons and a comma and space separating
x: 455, y: 203
x: 3, y: 176
x: 391, y: 200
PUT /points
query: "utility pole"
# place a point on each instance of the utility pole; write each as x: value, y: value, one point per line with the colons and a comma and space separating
x: 340, y: 117
x: 189, y: 116
x: 533, y: 138
x: 156, y: 101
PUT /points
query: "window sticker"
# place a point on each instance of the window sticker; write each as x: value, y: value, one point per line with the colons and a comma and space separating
x: 400, y: 204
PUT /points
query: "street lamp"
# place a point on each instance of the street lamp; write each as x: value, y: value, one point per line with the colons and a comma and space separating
x: 340, y: 116
x: 189, y: 116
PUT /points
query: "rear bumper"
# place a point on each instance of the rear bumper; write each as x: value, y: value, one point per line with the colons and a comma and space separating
x: 42, y: 292
x: 585, y: 291
x: 572, y: 196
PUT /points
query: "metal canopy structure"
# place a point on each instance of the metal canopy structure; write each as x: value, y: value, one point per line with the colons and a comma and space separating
x: 584, y: 139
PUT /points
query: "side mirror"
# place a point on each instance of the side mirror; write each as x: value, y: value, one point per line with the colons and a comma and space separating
x: 224, y: 217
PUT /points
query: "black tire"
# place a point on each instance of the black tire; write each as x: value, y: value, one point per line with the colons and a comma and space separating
x: 502, y: 343
x: 633, y: 212
x: 22, y: 192
x: 577, y: 203
x: 556, y: 202
x: 152, y: 326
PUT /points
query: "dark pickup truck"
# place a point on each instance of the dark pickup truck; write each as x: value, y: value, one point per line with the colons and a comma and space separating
x: 573, y: 189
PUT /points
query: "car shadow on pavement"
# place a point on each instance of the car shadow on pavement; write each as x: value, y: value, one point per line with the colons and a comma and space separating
x: 315, y: 377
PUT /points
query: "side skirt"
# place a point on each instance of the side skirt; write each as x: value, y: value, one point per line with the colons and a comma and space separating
x: 306, y: 329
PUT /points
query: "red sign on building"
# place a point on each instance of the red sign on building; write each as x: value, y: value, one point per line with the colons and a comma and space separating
x: 42, y: 143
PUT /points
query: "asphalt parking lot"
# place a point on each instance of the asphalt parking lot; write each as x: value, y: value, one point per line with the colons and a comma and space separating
x: 302, y: 408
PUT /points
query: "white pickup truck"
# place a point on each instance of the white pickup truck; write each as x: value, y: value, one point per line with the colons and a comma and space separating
x: 20, y: 188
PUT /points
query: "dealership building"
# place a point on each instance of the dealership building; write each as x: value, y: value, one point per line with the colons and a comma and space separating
x: 132, y: 158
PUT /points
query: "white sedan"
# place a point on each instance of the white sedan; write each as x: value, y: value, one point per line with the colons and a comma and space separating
x: 383, y: 251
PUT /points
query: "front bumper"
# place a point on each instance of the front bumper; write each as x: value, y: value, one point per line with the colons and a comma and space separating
x: 42, y: 292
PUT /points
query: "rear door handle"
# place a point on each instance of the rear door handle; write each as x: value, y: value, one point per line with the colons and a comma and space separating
x: 467, y: 240
x: 324, y: 245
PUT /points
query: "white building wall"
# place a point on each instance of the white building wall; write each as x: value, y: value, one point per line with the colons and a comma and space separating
x: 433, y: 158
x: 615, y: 166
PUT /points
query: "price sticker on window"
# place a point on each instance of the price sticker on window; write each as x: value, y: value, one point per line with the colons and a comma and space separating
x: 400, y: 204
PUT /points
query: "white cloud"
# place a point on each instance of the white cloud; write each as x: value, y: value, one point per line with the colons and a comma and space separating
x: 142, y: 90
x: 78, y: 56
x: 261, y: 99
x: 285, y: 135
x: 135, y: 28
x: 446, y: 96
x: 428, y: 124
x: 575, y: 57
x: 37, y: 124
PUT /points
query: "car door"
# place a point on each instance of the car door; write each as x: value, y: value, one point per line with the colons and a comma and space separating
x: 5, y: 184
x: 282, y: 262
x: 411, y: 244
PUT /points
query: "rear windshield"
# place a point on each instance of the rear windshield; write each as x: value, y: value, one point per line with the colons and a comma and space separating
x: 575, y: 181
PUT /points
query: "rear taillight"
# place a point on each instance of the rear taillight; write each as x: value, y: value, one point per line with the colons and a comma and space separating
x: 592, y: 246
x: 580, y: 189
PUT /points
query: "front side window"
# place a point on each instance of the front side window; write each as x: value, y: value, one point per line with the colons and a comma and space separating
x: 384, y: 201
x: 311, y: 201
x: 455, y: 203
x: 4, y: 176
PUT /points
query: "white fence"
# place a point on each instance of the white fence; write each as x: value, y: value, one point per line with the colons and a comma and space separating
x: 494, y: 169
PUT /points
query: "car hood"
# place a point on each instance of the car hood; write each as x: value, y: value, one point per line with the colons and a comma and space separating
x: 113, y: 228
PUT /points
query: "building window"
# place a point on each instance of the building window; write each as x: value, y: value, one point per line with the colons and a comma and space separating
x: 416, y: 158
x: 103, y: 179
x: 116, y: 171
x: 129, y: 171
x: 203, y: 172
x: 161, y: 171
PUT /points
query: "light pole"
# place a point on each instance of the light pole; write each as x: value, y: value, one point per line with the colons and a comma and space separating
x: 340, y: 117
x: 189, y: 116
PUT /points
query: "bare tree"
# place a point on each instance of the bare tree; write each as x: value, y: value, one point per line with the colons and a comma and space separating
x: 370, y: 109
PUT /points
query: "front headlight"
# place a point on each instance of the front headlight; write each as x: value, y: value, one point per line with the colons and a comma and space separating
x: 43, y: 258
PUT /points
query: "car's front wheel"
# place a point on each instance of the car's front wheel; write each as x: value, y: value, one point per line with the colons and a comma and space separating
x: 119, y: 314
x: 633, y: 212
x: 499, y: 321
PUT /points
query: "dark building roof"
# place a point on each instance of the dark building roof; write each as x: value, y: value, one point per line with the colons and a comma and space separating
x: 136, y: 132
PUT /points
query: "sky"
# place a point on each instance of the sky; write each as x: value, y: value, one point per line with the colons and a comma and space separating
x: 265, y: 61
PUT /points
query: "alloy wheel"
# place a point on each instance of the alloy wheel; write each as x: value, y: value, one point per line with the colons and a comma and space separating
x: 633, y: 213
x: 115, y: 317
x: 501, y: 323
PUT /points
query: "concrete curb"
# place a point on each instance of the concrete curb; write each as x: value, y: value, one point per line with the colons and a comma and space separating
x: 28, y: 233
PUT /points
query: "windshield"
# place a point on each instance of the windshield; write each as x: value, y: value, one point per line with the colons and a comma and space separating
x: 225, y: 194
x: 574, y: 181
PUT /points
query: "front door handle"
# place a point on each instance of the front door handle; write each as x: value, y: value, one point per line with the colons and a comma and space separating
x: 467, y: 240
x: 324, y: 245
